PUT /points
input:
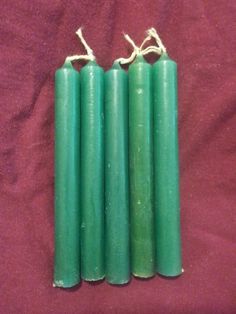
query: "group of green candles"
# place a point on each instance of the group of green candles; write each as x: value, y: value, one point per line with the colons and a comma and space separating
x: 116, y: 170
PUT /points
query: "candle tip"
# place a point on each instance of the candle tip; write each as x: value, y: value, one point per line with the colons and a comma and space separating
x: 116, y: 65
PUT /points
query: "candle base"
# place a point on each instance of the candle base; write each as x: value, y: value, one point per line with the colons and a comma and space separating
x: 65, y: 285
x: 89, y: 279
x: 171, y: 274
x: 143, y: 275
x: 118, y: 280
x: 118, y: 283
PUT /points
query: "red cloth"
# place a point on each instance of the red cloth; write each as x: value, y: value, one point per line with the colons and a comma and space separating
x: 36, y: 36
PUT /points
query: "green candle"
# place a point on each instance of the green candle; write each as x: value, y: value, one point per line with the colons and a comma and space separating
x: 167, y: 218
x: 116, y: 174
x: 141, y: 169
x: 67, y: 209
x: 92, y: 172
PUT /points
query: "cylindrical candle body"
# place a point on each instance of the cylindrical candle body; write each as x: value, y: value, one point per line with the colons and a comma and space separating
x: 116, y: 176
x: 67, y: 183
x: 168, y: 247
x: 92, y: 172
x: 141, y: 169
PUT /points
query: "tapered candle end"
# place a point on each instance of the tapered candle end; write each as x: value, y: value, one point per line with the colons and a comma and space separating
x: 67, y: 64
x: 140, y: 58
x: 164, y: 56
x: 116, y: 66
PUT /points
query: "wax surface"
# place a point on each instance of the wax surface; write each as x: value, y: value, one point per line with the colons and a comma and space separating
x: 141, y: 169
x: 167, y: 214
x: 116, y: 175
x: 67, y: 183
x: 92, y: 172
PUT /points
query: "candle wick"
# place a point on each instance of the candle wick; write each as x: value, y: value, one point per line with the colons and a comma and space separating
x: 78, y: 57
x: 130, y: 40
x: 89, y: 56
x: 144, y: 42
x: 134, y: 53
x: 153, y: 33
x: 126, y: 60
x: 86, y: 46
x: 149, y: 49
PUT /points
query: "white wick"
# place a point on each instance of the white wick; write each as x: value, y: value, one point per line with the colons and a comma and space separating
x: 137, y: 50
x: 153, y: 33
x: 133, y: 54
x: 86, y: 46
x: 149, y: 49
x: 89, y: 56
x: 144, y: 42
x: 130, y: 40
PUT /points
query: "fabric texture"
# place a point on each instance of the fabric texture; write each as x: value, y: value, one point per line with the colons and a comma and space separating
x: 36, y: 36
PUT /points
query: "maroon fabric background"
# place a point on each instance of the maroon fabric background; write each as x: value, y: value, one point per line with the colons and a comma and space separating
x: 35, y: 38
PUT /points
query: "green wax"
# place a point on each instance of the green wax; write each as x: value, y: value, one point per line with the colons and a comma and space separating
x: 141, y: 169
x: 67, y: 209
x: 167, y: 215
x: 92, y: 172
x: 116, y: 175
